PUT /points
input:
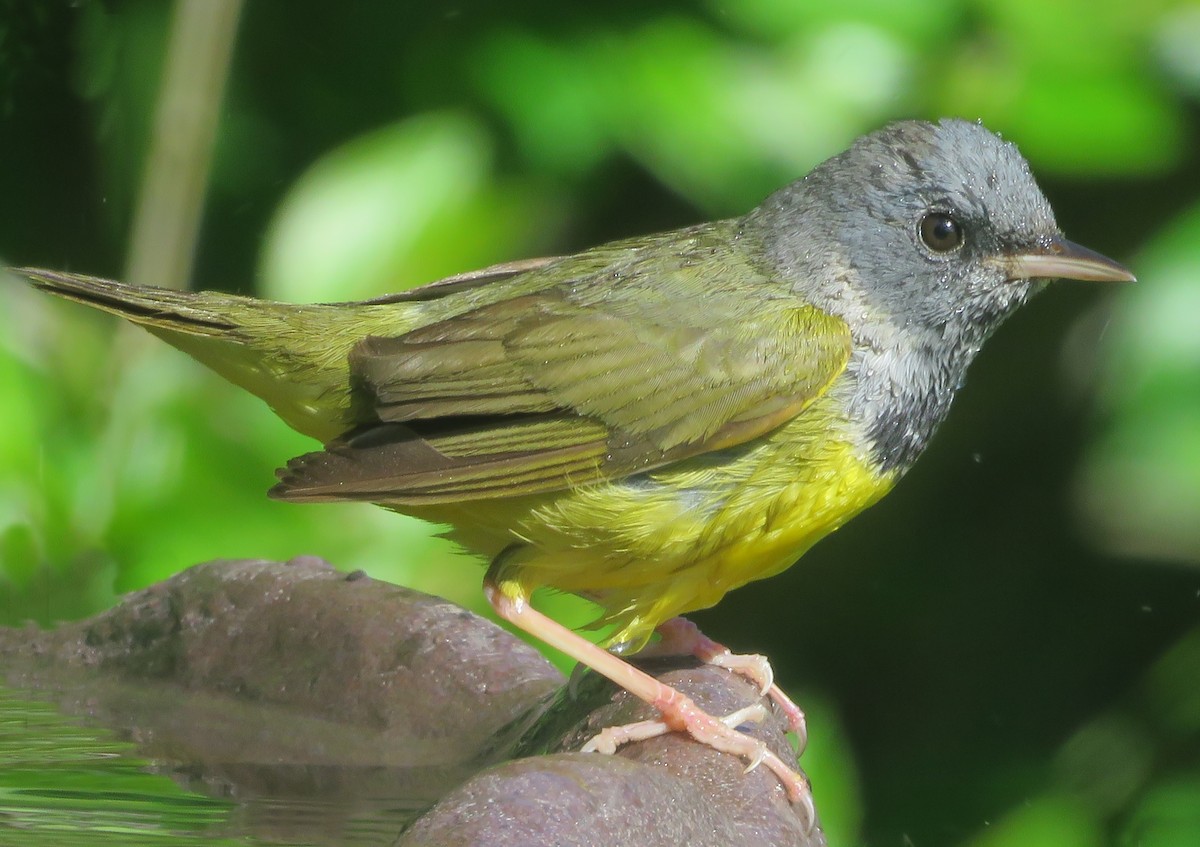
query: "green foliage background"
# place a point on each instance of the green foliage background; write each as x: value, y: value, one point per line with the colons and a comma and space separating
x: 1005, y: 652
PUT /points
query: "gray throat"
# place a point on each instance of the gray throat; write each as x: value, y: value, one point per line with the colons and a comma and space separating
x: 899, y: 389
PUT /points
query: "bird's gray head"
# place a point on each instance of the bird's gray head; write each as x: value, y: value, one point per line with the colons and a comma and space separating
x: 935, y: 229
x: 923, y: 238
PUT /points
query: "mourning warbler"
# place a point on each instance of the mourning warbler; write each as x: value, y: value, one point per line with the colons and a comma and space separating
x: 655, y: 421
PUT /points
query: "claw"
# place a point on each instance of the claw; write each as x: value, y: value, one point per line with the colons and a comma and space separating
x: 754, y: 713
x: 681, y: 636
x: 758, y: 758
x: 679, y: 712
x: 754, y: 667
x: 720, y: 734
x: 610, y: 738
x: 602, y: 742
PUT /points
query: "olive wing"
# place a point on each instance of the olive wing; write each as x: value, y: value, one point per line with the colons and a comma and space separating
x: 576, y: 383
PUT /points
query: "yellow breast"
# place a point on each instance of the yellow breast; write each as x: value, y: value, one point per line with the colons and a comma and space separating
x: 650, y: 547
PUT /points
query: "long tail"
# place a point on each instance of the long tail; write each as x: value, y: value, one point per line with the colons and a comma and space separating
x: 293, y: 357
x: 191, y: 313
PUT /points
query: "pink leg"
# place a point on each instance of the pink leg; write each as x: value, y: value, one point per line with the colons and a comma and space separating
x: 679, y: 636
x: 679, y: 712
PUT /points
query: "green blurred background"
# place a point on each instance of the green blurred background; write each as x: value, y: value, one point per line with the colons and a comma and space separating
x: 1006, y: 651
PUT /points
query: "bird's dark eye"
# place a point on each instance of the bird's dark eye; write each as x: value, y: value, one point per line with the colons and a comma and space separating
x: 941, y: 233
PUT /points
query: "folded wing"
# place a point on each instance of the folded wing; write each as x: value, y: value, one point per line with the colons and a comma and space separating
x: 617, y: 368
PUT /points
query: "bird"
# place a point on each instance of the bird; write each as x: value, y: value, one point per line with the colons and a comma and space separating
x: 655, y: 421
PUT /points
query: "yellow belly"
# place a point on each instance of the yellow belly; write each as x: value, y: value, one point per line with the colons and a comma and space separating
x: 676, y: 540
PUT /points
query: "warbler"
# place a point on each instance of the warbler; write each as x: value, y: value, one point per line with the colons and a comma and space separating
x: 656, y: 421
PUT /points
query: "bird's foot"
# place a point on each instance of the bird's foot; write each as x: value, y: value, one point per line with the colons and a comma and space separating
x: 681, y: 714
x: 679, y: 636
x: 678, y: 712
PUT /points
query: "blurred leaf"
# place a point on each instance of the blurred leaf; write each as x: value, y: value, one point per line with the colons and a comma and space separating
x: 1140, y: 488
x: 931, y: 23
x: 1069, y: 82
x: 1107, y: 761
x: 120, y: 53
x: 1047, y: 821
x: 1168, y: 816
x: 552, y: 96
x: 720, y: 121
x: 828, y: 762
x: 1177, y: 46
x: 1173, y: 691
x: 373, y: 216
x: 1086, y: 124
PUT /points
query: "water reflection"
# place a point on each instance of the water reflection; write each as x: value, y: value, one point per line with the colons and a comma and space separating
x: 66, y: 779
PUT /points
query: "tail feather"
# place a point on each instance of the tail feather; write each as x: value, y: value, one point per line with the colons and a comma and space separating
x: 184, y: 311
x: 293, y: 357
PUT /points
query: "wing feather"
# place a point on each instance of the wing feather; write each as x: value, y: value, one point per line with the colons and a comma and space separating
x: 600, y: 373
